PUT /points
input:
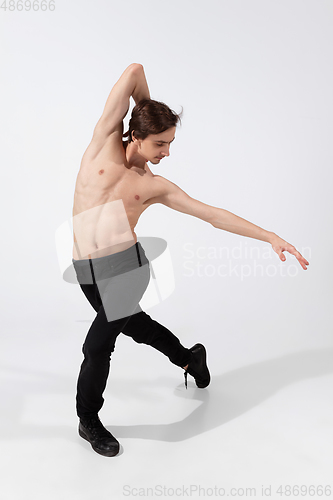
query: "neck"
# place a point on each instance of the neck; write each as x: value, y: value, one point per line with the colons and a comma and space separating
x: 133, y: 157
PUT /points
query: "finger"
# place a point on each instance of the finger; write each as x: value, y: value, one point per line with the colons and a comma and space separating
x: 301, y: 258
x: 302, y: 261
x: 292, y: 250
x: 305, y: 261
x: 282, y: 256
x: 297, y: 254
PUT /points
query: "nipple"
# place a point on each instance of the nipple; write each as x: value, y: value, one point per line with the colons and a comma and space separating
x: 137, y: 197
x: 101, y: 172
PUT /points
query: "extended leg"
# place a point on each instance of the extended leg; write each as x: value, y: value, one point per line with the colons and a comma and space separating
x: 144, y: 330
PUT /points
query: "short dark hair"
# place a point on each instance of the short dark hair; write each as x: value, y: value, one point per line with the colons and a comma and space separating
x: 151, y: 117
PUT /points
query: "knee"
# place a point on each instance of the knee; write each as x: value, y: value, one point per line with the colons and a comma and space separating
x: 146, y: 330
x: 97, y: 353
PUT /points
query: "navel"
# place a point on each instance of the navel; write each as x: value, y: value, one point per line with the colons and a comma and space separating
x: 137, y: 197
x: 101, y: 172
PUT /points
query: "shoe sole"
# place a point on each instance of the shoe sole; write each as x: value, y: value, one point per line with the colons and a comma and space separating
x: 100, y: 452
x: 202, y: 386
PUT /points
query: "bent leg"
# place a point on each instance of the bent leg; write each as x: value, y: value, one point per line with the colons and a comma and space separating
x: 144, y: 330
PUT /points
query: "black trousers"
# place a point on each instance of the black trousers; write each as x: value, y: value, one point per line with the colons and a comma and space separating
x: 114, y: 285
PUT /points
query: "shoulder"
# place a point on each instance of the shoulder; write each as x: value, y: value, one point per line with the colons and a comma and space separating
x: 162, y: 185
x: 110, y: 149
x: 163, y: 190
x: 172, y: 196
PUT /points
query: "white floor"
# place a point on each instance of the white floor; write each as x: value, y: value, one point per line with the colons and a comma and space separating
x: 257, y: 426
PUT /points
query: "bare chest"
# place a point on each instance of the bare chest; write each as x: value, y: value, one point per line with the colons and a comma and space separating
x: 101, y: 184
x: 108, y: 202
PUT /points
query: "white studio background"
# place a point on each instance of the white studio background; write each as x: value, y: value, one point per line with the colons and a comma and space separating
x: 255, y: 81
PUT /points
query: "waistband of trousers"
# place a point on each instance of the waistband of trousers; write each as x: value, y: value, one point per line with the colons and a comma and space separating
x: 134, y: 252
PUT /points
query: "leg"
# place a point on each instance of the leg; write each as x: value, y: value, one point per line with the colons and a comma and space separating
x: 118, y: 286
x: 97, y: 349
x: 93, y: 296
x: 114, y: 289
x: 144, y: 330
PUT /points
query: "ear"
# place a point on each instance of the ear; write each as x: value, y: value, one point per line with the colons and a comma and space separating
x: 136, y: 141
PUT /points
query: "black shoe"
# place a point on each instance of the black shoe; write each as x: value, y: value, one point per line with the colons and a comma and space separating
x: 197, y: 367
x: 101, y: 439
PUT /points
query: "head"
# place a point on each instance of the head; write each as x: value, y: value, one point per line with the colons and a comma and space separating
x: 152, y: 128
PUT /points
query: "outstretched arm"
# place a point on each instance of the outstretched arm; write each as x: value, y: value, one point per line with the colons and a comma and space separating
x: 222, y: 219
x: 172, y: 196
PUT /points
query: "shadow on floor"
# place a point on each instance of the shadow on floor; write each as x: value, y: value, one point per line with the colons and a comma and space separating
x: 230, y: 395
x: 234, y: 393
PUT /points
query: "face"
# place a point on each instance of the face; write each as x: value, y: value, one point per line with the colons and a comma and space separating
x: 156, y: 146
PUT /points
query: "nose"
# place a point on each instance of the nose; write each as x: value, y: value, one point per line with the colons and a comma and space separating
x: 166, y: 151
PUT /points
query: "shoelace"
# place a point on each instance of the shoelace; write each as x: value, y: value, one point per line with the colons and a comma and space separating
x: 97, y: 429
x: 185, y: 375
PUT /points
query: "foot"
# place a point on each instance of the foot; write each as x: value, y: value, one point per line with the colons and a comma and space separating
x: 100, y: 438
x: 197, y: 367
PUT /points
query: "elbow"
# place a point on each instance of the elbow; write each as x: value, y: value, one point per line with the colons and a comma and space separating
x: 135, y: 67
x: 213, y: 221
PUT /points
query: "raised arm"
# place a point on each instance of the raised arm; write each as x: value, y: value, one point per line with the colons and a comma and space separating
x: 172, y: 196
x: 131, y: 83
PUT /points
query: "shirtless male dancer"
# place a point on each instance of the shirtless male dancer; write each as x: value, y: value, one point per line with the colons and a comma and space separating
x: 113, y: 188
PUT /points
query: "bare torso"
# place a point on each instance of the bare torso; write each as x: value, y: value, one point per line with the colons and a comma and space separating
x: 109, y: 198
